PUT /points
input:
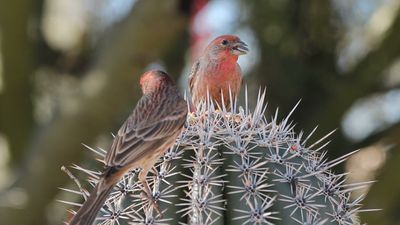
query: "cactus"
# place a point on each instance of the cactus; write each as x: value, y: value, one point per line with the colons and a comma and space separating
x: 234, y: 166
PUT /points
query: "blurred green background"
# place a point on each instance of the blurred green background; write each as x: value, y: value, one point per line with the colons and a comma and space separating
x: 69, y: 72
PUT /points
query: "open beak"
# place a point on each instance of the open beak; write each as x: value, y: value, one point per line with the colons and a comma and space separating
x: 240, y: 48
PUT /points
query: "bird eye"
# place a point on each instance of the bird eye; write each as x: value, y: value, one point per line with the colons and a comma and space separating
x: 224, y: 42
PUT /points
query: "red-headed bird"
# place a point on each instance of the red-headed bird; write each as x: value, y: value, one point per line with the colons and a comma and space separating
x: 149, y: 131
x: 217, y: 71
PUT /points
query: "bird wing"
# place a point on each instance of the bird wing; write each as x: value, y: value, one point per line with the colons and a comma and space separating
x: 193, y: 75
x: 147, y: 129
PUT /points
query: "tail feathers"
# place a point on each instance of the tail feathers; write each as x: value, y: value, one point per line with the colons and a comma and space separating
x: 88, y: 211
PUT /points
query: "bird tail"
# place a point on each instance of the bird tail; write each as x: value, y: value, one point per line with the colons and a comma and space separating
x: 88, y: 211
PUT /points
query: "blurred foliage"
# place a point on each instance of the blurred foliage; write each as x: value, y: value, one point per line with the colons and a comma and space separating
x: 53, y: 97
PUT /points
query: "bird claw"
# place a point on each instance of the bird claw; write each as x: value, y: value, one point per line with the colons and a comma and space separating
x: 233, y: 117
x: 153, y: 203
x: 191, y: 114
x: 157, y: 208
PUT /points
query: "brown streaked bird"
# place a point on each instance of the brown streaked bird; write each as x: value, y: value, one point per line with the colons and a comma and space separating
x: 149, y: 131
x: 217, y: 70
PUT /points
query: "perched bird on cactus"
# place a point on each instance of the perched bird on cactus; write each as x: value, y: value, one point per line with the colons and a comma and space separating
x: 149, y: 131
x: 217, y: 72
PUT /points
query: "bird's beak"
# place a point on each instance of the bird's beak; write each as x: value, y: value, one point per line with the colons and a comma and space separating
x: 240, y: 48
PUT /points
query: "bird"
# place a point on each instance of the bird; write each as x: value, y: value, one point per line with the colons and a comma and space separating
x: 146, y: 134
x: 216, y: 72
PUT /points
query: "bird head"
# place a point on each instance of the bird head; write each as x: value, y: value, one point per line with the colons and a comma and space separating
x: 227, y: 46
x: 153, y: 80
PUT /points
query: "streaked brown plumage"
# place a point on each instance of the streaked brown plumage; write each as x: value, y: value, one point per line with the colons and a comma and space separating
x: 217, y: 70
x: 149, y: 131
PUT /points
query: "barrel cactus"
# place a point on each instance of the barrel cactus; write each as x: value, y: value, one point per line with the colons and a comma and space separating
x: 234, y: 166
